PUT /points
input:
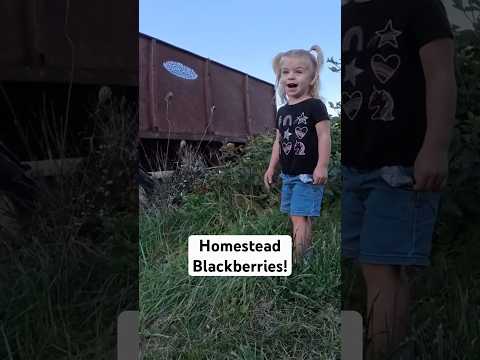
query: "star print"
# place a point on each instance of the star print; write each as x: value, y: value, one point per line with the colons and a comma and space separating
x: 351, y: 72
x: 388, y: 35
x: 286, y: 134
x: 302, y: 119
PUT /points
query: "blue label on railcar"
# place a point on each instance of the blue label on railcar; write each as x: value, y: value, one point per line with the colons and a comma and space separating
x: 178, y: 69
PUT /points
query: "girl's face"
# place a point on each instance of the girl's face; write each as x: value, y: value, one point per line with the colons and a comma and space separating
x: 296, y: 76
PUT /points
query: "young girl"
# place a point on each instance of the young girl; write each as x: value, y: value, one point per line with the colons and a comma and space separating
x: 302, y: 144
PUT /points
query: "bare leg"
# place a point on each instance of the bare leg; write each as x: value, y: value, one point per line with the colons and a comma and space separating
x: 308, y: 233
x: 300, y: 232
x: 403, y: 307
x: 388, y: 296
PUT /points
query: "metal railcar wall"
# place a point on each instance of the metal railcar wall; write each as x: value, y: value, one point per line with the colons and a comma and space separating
x: 186, y: 96
x: 42, y: 40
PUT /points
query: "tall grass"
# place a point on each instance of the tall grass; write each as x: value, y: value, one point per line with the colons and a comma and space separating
x: 235, y: 317
x: 445, y: 312
x: 73, y: 268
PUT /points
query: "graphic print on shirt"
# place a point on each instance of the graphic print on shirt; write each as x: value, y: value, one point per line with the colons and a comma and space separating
x: 286, y: 147
x: 286, y: 121
x: 299, y: 148
x: 300, y: 132
x: 388, y: 35
x: 298, y: 142
x: 382, y: 102
x: 351, y: 72
x: 354, y: 33
x: 302, y: 119
x: 352, y: 103
x: 384, y: 68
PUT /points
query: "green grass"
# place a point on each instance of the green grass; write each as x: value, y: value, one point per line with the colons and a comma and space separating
x: 445, y: 321
x: 74, y: 267
x: 61, y: 293
x: 235, y: 317
x: 183, y: 317
x: 446, y: 314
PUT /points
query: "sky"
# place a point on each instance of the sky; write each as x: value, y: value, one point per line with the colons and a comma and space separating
x: 246, y: 35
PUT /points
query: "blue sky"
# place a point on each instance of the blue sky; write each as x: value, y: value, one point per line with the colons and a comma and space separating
x: 246, y: 35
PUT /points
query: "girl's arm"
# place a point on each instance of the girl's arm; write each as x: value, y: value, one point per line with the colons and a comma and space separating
x: 320, y: 173
x: 431, y: 165
x: 275, y: 158
x: 274, y: 161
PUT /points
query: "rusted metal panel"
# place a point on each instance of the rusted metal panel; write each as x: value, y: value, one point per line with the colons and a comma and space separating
x: 178, y: 105
x: 248, y: 111
x: 186, y: 96
x: 11, y: 53
x: 262, y: 105
x: 43, y: 40
x: 144, y: 79
x: 209, y: 107
x: 228, y: 90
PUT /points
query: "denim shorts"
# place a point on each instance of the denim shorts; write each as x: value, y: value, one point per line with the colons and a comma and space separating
x: 384, y: 221
x: 300, y: 197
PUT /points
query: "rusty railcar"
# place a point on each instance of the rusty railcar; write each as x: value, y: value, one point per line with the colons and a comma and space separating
x: 186, y: 96
x: 42, y: 41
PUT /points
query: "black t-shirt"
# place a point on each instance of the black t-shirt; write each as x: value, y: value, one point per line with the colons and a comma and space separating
x: 383, y: 85
x: 298, y: 135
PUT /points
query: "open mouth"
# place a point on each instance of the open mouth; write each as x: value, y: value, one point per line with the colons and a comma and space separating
x: 292, y: 86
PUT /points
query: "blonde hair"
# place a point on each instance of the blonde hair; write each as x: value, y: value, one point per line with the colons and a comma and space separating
x: 317, y: 62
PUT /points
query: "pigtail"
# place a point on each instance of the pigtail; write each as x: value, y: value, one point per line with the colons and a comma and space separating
x: 276, y: 64
x: 276, y: 69
x: 320, y: 58
x: 319, y: 61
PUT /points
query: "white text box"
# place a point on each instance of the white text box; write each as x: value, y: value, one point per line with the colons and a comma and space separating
x: 239, y: 255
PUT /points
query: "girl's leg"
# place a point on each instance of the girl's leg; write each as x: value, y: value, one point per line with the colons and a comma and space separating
x: 388, y: 296
x: 300, y: 232
x: 308, y: 234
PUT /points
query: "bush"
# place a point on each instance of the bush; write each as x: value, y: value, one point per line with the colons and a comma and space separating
x: 460, y: 212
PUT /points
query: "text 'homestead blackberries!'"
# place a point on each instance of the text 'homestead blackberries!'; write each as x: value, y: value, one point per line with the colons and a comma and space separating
x: 239, y: 255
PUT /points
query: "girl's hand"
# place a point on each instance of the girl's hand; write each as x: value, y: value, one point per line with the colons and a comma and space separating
x: 268, y: 178
x: 320, y: 175
x: 431, y: 169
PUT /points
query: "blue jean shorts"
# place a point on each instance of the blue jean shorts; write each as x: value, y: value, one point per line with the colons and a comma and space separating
x: 300, y: 197
x: 384, y: 221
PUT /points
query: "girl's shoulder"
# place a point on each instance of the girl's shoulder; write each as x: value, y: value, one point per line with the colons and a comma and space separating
x: 317, y: 106
x: 318, y: 109
x: 318, y: 102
